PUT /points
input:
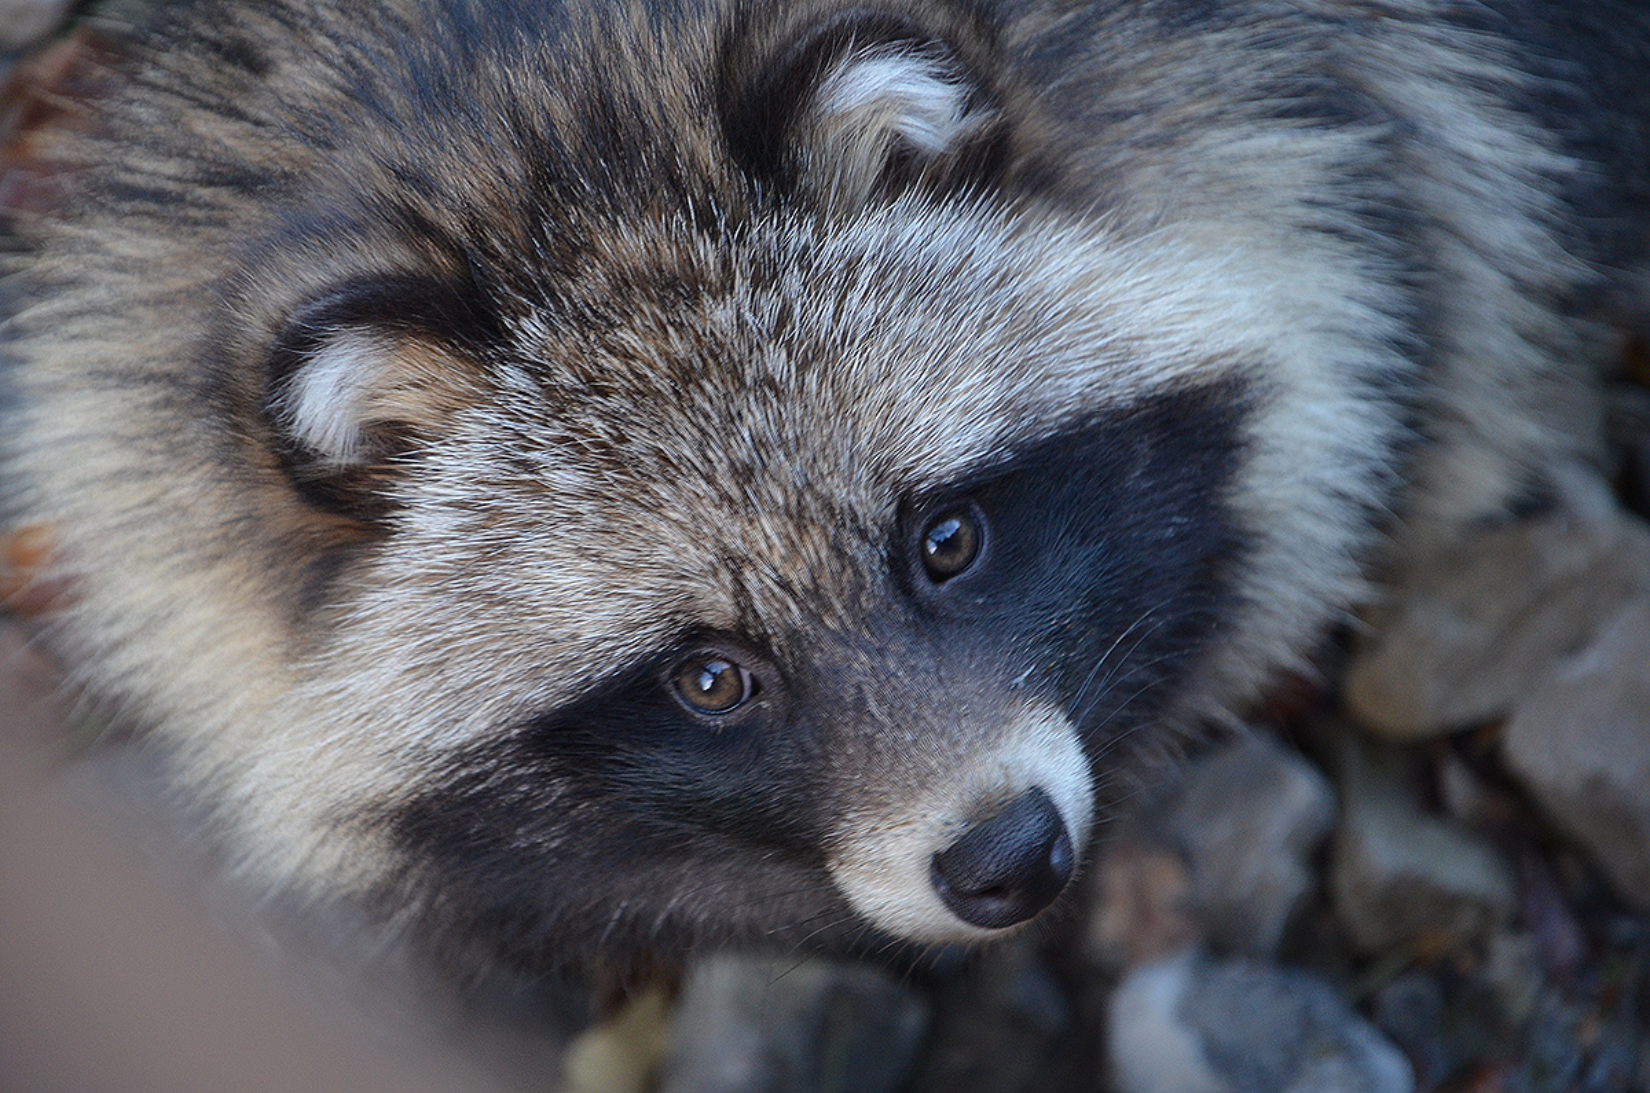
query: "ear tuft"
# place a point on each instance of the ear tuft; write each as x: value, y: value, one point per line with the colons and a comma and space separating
x: 358, y: 389
x: 880, y: 108
x: 361, y: 377
x: 862, y: 104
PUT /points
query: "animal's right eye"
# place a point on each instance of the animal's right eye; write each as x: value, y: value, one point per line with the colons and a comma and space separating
x: 950, y: 542
x: 711, y: 684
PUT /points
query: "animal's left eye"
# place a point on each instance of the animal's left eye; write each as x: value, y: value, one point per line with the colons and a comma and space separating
x: 711, y: 684
x: 951, y: 542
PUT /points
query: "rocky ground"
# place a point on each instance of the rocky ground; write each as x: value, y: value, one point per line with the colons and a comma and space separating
x: 1431, y: 875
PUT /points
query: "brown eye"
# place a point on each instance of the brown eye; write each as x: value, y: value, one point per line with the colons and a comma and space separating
x: 950, y: 543
x: 710, y: 684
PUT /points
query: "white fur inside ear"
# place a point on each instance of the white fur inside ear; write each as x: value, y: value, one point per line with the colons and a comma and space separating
x: 362, y: 377
x: 903, y: 94
x: 330, y: 397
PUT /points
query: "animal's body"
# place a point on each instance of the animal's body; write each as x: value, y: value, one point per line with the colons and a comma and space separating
x: 615, y: 474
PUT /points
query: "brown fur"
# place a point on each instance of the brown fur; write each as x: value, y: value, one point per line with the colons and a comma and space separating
x: 664, y: 333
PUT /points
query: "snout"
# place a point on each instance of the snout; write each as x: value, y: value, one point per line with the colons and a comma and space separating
x: 1008, y: 867
x: 971, y: 842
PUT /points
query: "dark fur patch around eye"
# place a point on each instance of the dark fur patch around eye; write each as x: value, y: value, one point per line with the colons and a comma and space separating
x: 623, y: 792
x: 1112, y: 550
x: 637, y: 751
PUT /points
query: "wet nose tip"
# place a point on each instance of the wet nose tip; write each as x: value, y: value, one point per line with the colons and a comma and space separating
x: 1006, y: 869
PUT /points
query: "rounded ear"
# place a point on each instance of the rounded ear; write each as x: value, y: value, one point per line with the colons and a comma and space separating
x: 859, y: 105
x: 362, y: 375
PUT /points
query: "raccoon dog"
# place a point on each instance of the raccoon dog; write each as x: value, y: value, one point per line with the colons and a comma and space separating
x: 570, y: 473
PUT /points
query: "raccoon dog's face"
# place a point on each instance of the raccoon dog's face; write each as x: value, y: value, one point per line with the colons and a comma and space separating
x: 723, y: 496
x: 750, y: 565
x: 712, y: 608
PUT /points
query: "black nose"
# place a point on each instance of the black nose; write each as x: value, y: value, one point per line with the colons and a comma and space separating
x: 1009, y: 867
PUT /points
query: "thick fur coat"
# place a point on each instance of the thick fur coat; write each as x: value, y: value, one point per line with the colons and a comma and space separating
x: 575, y: 473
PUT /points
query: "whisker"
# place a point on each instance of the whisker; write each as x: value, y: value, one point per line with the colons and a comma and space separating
x: 1083, y: 715
x: 1105, y: 656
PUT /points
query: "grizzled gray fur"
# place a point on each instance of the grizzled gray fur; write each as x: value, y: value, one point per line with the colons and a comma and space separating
x: 618, y: 474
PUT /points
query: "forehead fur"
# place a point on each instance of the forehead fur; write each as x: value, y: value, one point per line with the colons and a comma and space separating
x: 894, y: 352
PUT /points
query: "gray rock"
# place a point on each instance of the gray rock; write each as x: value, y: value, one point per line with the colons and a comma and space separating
x: 1455, y: 1016
x: 1580, y: 742
x: 1140, y: 909
x: 776, y: 1025
x: 23, y: 22
x: 1466, y: 632
x: 1397, y: 873
x: 1001, y: 1028
x: 1189, y: 1024
x: 1249, y: 819
x: 1218, y: 854
x: 1413, y: 1011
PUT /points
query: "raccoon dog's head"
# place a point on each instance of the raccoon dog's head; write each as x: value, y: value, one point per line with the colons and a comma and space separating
x: 702, y: 481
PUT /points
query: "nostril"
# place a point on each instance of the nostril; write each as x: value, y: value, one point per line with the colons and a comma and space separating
x: 1007, y: 868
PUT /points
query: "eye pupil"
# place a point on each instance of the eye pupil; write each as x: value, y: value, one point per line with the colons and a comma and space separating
x: 714, y: 685
x: 950, y: 543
